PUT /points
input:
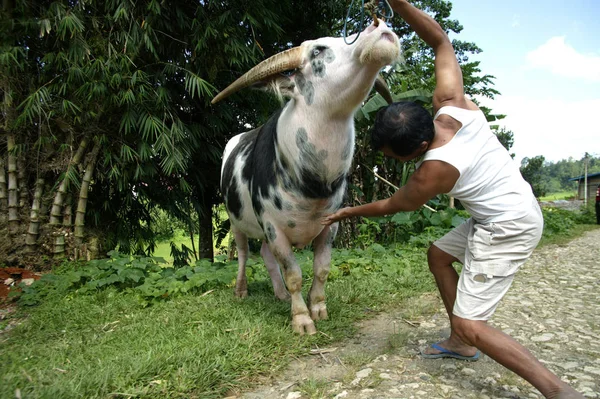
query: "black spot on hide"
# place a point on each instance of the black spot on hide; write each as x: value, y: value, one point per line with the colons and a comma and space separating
x: 229, y: 185
x: 308, y: 152
x: 270, y: 232
x: 313, y: 172
x: 347, y: 151
x: 319, y: 56
x: 233, y: 199
x: 313, y: 186
x: 291, y: 224
x: 306, y: 88
x: 259, y: 168
x: 277, y: 202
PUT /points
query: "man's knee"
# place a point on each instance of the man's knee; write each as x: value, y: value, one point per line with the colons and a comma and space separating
x: 437, y: 258
x: 468, y: 331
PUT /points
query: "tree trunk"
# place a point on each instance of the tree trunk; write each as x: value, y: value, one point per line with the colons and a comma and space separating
x: 205, y: 236
x: 68, y: 213
x: 83, y: 194
x: 22, y: 182
x: 34, y: 219
x: 59, y: 244
x: 13, y: 199
x: 3, y: 191
x: 59, y: 198
x: 193, y: 243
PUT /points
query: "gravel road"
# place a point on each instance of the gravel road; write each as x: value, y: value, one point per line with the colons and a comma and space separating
x: 553, y: 308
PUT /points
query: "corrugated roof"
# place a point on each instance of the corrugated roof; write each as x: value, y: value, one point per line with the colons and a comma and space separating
x: 582, y: 177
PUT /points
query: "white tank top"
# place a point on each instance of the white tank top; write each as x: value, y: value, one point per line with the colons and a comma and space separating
x: 490, y: 185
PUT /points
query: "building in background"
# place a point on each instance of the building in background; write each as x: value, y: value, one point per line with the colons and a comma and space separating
x: 593, y: 180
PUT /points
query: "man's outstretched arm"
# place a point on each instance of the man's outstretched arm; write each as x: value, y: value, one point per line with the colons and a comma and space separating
x: 449, y: 83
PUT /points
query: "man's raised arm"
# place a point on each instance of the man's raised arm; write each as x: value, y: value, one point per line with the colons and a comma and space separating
x: 449, y: 83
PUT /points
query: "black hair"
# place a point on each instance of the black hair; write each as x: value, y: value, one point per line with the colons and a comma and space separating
x: 402, y: 127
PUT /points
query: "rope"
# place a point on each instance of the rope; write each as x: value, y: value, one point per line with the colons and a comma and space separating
x: 373, y: 7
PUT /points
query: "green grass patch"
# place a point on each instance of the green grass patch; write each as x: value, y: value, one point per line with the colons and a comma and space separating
x: 563, y: 239
x: 562, y: 195
x: 163, y: 248
x: 108, y: 343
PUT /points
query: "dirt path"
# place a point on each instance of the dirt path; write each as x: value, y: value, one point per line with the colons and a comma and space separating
x: 553, y: 308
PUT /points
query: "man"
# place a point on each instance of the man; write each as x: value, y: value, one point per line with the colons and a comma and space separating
x: 463, y: 158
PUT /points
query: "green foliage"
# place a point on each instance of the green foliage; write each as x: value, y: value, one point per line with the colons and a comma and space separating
x: 559, y: 221
x: 554, y: 176
x: 505, y: 136
x: 416, y: 227
x: 531, y: 169
x: 150, y: 279
x: 140, y: 76
x: 203, y: 344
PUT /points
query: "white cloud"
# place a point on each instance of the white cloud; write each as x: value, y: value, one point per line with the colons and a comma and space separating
x: 552, y: 127
x: 561, y: 59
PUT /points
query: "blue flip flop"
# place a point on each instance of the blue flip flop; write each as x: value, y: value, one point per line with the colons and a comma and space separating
x: 445, y: 353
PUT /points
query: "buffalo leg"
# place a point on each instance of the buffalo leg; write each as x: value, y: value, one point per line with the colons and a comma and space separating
x: 241, y: 282
x: 282, y: 251
x: 275, y: 273
x: 321, y: 264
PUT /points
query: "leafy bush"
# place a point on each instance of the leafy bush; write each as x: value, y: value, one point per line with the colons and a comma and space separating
x: 587, y: 214
x: 148, y: 277
x: 558, y: 221
x: 403, y: 227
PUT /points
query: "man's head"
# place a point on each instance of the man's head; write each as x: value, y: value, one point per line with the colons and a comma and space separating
x: 403, y: 130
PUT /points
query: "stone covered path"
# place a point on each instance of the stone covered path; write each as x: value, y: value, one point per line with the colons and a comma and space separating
x: 553, y: 308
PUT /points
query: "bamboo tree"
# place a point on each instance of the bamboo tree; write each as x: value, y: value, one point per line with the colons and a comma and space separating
x: 83, y: 194
x: 13, y: 200
x: 22, y: 181
x: 59, y: 198
x: 34, y: 219
x: 3, y: 191
x: 67, y: 222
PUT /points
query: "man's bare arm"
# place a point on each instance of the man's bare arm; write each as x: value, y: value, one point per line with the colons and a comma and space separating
x: 449, y: 83
x: 432, y: 178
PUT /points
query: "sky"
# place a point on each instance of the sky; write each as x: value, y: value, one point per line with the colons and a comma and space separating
x: 545, y: 56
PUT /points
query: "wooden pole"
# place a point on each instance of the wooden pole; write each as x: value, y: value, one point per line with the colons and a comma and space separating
x: 585, y: 179
x: 395, y: 187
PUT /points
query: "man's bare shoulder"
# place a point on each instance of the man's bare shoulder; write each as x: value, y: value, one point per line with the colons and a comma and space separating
x: 470, y: 105
x: 463, y: 103
x: 440, y: 175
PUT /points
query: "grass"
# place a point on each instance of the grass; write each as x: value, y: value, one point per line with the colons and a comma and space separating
x: 194, y: 346
x: 108, y: 345
x: 560, y: 239
x: 163, y: 248
x: 562, y: 195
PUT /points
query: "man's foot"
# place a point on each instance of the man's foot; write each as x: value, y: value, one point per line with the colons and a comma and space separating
x: 446, y: 349
x: 567, y: 393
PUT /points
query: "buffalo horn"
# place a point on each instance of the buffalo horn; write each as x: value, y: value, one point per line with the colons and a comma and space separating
x: 284, y: 61
x: 382, y: 88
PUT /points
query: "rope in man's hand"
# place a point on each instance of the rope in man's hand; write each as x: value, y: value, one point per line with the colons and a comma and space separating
x: 373, y: 7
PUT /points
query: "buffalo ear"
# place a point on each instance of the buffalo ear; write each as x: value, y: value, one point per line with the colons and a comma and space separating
x: 281, y: 85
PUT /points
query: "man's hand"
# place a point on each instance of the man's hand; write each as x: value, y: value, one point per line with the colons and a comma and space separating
x: 335, y: 217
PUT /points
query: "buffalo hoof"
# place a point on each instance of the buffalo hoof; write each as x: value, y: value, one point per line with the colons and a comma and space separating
x: 318, y: 311
x: 302, y: 324
x: 241, y: 293
x: 283, y: 296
